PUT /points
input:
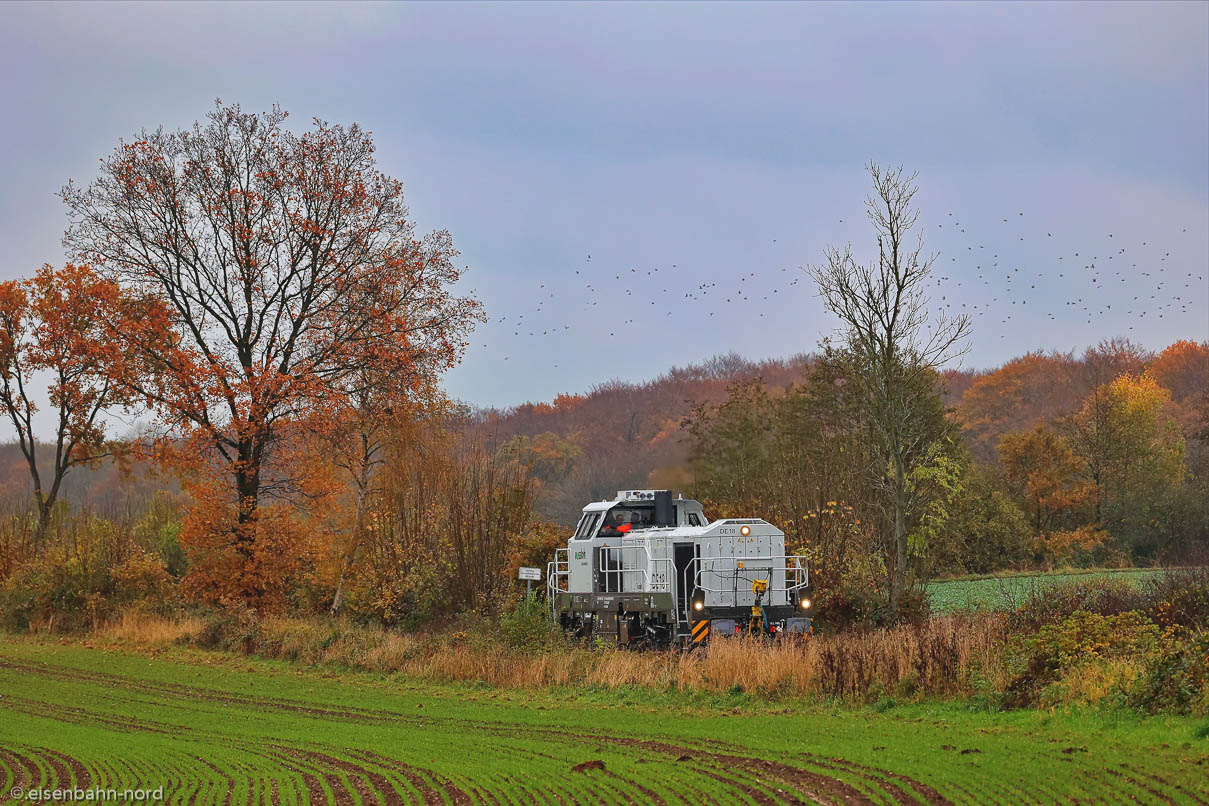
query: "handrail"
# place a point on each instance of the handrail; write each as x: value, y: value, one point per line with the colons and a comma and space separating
x: 558, y: 576
x: 648, y: 570
x: 795, y: 564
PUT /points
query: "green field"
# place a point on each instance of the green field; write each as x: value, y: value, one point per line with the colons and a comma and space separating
x: 217, y: 729
x: 1010, y: 591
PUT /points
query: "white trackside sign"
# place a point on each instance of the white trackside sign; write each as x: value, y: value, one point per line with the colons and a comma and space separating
x: 534, y: 574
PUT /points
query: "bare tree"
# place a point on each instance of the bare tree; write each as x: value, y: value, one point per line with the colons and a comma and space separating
x: 897, y: 349
x: 292, y: 272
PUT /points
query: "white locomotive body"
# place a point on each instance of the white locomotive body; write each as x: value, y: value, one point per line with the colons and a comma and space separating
x: 650, y: 568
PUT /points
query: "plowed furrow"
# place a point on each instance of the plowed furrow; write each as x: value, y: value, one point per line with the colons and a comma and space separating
x: 1139, y: 784
x: 1159, y: 781
x: 79, y: 716
x: 24, y: 770
x: 899, y: 788
x: 371, y: 786
x: 754, y: 795
x: 432, y: 787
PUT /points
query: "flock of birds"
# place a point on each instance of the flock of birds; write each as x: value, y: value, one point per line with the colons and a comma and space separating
x: 1096, y: 271
x: 981, y: 281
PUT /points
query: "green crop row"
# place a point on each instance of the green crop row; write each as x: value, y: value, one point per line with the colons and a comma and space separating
x: 215, y: 729
x: 1009, y: 591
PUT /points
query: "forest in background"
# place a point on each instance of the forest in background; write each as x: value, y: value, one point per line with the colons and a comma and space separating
x: 1099, y: 459
x: 1052, y: 460
x: 585, y: 447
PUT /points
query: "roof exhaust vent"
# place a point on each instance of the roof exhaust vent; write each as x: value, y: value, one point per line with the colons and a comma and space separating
x: 665, y: 513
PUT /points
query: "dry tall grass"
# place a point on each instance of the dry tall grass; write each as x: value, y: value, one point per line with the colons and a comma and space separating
x: 141, y: 628
x: 938, y: 658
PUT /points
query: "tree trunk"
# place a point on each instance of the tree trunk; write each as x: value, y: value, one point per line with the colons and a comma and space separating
x: 1098, y: 483
x: 346, y: 564
x: 247, y: 486
x: 40, y: 500
x: 46, y: 501
x: 345, y: 567
x: 247, y: 483
x: 898, y: 579
x: 44, y: 506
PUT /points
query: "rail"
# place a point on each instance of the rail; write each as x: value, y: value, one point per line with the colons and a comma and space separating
x: 732, y: 569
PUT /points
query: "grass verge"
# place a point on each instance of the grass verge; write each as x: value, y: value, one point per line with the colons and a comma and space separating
x: 944, y: 657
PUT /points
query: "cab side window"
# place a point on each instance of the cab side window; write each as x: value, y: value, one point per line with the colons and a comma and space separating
x: 587, y: 526
x: 694, y: 519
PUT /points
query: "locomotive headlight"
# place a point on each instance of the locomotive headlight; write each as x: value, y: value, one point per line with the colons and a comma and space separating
x: 745, y: 530
x: 698, y: 599
x: 805, y: 603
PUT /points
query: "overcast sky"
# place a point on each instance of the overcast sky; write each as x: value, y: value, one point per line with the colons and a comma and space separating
x: 720, y: 144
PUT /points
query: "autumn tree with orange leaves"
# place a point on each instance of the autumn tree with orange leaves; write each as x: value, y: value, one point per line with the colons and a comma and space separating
x: 58, y: 325
x: 1184, y: 369
x: 1048, y: 478
x: 295, y: 281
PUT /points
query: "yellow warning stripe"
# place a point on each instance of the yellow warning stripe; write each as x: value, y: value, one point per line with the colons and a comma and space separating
x: 700, y: 631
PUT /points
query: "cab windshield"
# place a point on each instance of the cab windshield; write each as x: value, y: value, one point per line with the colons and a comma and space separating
x: 622, y: 519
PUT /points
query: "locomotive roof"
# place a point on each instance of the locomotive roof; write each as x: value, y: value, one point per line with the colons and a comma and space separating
x: 630, y: 498
x: 636, y: 498
x: 597, y: 506
x: 708, y: 530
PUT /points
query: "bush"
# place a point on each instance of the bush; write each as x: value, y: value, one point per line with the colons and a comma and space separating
x: 529, y: 625
x: 1080, y: 640
x: 987, y: 531
x: 1099, y: 681
x: 141, y: 579
x: 82, y: 575
x: 1105, y: 597
x: 1176, y: 679
x: 1087, y: 641
x: 846, y: 592
x: 1087, y: 636
x: 1180, y: 597
x: 234, y: 627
